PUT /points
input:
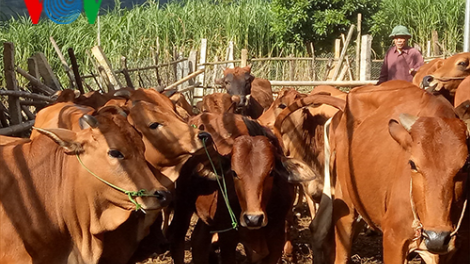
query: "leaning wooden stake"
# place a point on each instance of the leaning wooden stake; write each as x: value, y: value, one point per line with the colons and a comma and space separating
x: 76, y: 73
x: 343, y: 52
x: 64, y: 63
x: 192, y: 75
x: 103, y: 61
x: 44, y: 88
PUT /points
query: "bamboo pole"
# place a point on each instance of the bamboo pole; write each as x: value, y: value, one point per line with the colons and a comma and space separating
x: 315, y: 83
x: 358, y: 45
x: 192, y: 75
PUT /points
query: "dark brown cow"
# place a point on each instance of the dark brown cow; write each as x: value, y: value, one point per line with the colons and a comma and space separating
x: 449, y: 75
x: 398, y: 154
x: 258, y: 178
x: 255, y: 93
x: 64, y: 191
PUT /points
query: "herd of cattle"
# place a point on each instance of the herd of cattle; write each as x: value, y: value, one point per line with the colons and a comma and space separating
x: 104, y: 178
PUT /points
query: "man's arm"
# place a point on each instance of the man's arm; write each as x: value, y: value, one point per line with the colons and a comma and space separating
x: 384, y: 71
x: 416, y: 61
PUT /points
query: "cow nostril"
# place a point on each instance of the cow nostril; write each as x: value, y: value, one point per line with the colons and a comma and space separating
x: 163, y: 196
x: 427, y: 81
x: 205, y: 137
x: 437, y: 242
x: 253, y: 220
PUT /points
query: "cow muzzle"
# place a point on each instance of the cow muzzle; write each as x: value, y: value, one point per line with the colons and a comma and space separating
x: 159, y: 199
x: 438, y: 242
x: 428, y: 83
x: 254, y: 221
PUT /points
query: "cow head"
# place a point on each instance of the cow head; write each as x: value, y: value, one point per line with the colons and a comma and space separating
x: 167, y: 138
x: 285, y: 98
x: 437, y: 183
x: 110, y: 156
x: 448, y: 75
x: 237, y: 82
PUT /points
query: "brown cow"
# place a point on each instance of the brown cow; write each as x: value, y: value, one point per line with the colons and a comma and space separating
x: 426, y: 70
x: 449, y: 75
x: 218, y: 103
x: 4, y: 140
x: 462, y: 93
x: 258, y: 178
x: 255, y: 93
x: 398, y: 153
x: 64, y: 191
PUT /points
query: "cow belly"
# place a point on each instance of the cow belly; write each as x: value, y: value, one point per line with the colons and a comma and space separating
x: 375, y: 160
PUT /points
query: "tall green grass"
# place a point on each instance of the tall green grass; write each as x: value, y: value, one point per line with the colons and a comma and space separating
x: 422, y: 17
x: 177, y: 26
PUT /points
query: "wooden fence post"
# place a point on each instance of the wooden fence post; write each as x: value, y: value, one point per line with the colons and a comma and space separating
x: 229, y: 55
x: 366, y: 60
x: 358, y: 45
x: 125, y: 72
x: 10, y: 78
x: 314, y: 73
x: 244, y: 58
x: 46, y: 72
x: 291, y: 67
x: 198, y: 91
x: 33, y: 70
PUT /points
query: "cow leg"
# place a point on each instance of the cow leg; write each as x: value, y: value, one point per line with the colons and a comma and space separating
x: 395, y: 247
x: 344, y: 219
x: 275, y: 240
x: 228, y: 242
x: 177, y: 233
x: 289, y: 253
x: 201, y: 243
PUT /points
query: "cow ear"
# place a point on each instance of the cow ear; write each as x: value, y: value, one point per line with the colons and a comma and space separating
x: 247, y: 68
x: 400, y: 132
x: 296, y: 171
x: 67, y: 139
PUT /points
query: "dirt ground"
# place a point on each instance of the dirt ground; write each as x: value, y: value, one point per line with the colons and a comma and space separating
x: 367, y: 248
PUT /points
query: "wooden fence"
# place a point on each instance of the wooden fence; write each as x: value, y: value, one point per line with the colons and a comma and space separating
x: 193, y: 76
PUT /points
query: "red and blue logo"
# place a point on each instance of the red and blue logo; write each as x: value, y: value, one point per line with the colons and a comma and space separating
x: 63, y: 11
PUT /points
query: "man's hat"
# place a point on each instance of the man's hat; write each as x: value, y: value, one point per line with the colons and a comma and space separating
x: 400, y: 31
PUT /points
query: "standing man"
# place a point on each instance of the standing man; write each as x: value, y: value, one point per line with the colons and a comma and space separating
x: 401, y: 61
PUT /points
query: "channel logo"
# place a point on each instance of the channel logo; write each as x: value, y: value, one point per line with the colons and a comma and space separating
x: 63, y: 11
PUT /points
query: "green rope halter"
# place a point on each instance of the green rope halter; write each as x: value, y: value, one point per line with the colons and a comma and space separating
x: 130, y: 194
x: 223, y: 190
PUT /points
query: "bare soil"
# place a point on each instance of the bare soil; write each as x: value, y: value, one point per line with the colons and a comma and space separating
x: 367, y: 249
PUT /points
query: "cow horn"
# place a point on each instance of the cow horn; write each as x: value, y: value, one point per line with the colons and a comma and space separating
x: 407, y: 120
x: 123, y: 93
x: 88, y: 121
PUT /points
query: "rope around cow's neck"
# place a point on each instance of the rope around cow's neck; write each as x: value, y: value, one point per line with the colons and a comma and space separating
x: 130, y: 194
x: 418, y: 226
x: 446, y: 79
x: 223, y: 190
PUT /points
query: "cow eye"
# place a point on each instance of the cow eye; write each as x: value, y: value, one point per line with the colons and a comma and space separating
x: 115, y: 154
x: 282, y: 106
x: 154, y: 125
x: 234, y: 174
x: 463, y: 63
x: 413, y: 166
